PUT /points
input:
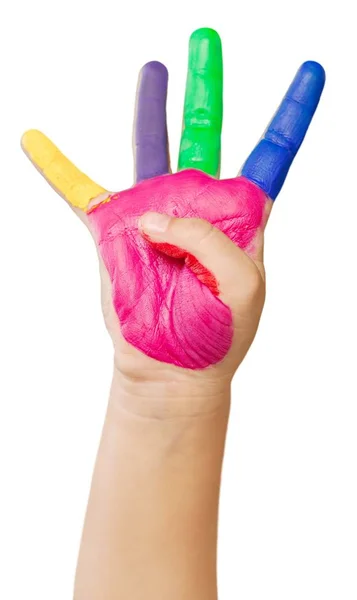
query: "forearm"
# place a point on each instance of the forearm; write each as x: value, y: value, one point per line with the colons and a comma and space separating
x: 151, y: 525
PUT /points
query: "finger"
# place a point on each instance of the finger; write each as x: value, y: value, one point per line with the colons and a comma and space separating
x: 150, y: 129
x: 69, y: 181
x: 270, y: 161
x: 207, y: 251
x: 200, y: 146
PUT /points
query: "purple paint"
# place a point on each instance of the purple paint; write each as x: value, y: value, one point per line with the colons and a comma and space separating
x: 151, y: 143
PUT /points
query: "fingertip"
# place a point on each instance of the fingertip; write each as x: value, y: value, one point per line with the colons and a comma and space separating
x: 308, y: 84
x: 28, y: 137
x: 205, y: 33
x: 205, y: 50
x: 314, y: 69
x: 153, y: 223
x: 38, y: 147
x: 156, y: 69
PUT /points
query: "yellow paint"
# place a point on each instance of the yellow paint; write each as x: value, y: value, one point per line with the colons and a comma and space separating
x: 94, y: 206
x: 74, y: 185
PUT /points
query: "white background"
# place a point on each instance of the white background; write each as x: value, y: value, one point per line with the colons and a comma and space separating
x: 288, y: 524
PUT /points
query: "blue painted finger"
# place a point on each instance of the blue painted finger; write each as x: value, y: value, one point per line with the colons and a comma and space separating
x: 270, y: 161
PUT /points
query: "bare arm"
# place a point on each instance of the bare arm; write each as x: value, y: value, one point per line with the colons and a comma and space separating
x: 151, y: 525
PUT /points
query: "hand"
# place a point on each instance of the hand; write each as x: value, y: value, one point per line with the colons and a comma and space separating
x: 185, y: 287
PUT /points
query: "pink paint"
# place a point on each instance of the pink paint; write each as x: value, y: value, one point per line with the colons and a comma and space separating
x: 167, y: 305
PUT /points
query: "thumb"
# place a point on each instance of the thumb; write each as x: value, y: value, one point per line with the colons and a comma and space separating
x: 207, y: 251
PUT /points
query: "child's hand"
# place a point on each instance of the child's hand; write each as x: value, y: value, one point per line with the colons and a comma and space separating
x: 185, y: 289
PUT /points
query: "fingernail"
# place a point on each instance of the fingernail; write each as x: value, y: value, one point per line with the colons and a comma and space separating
x: 154, y: 222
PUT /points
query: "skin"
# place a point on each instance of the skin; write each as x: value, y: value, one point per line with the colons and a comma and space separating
x: 151, y: 521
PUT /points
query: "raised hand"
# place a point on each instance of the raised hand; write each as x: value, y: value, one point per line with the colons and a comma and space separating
x: 184, y: 251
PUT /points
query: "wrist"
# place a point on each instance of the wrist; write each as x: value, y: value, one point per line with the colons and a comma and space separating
x: 170, y: 397
x: 152, y: 513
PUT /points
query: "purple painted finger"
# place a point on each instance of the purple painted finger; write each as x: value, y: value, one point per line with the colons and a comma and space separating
x: 150, y: 135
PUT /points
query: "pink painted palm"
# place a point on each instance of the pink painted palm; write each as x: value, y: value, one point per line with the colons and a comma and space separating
x: 168, y: 306
x: 188, y: 294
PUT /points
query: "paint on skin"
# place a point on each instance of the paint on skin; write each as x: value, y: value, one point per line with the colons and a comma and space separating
x: 166, y: 301
x: 202, y: 120
x: 271, y: 159
x: 150, y: 136
x: 69, y: 181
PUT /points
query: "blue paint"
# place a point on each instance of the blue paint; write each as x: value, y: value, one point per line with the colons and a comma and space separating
x: 270, y: 161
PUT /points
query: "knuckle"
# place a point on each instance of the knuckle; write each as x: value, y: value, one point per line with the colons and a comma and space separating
x: 254, y: 284
x: 204, y: 231
x: 248, y: 286
x: 201, y: 118
x: 194, y: 230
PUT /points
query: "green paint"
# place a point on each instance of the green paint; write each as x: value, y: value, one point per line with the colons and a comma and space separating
x: 200, y: 146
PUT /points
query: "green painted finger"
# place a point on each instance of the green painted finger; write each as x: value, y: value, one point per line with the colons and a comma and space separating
x: 200, y: 146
